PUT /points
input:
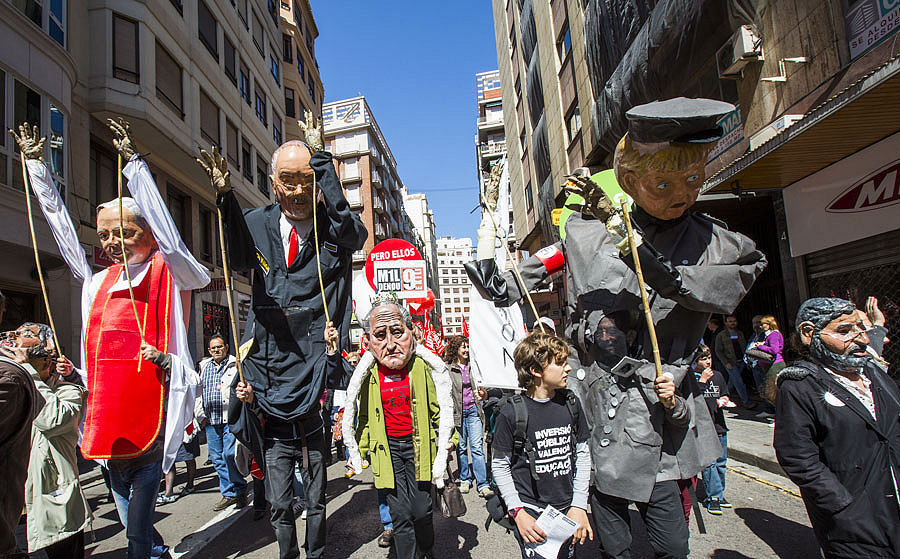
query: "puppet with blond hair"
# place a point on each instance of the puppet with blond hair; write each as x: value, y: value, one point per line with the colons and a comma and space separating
x: 647, y: 430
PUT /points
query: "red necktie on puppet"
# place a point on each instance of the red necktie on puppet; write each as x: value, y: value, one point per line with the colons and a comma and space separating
x: 293, y: 247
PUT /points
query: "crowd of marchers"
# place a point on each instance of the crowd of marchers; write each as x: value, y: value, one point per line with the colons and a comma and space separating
x: 624, y: 407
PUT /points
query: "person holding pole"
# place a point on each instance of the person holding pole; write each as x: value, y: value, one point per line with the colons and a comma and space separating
x: 643, y: 282
x: 300, y: 251
x: 133, y: 321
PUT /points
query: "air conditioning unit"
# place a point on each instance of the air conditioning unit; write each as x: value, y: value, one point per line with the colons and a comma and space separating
x: 741, y: 49
x: 772, y: 129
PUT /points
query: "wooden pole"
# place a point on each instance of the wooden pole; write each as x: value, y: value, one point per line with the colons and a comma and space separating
x: 124, y: 255
x: 648, y: 316
x: 37, y: 259
x: 228, y: 295
x: 318, y: 261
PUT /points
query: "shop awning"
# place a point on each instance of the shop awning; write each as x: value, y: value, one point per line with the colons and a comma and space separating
x: 861, y: 114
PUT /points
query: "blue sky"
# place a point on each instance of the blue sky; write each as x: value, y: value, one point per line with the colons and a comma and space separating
x: 416, y: 63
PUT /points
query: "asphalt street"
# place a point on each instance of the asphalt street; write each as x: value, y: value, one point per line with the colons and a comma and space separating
x: 766, y: 522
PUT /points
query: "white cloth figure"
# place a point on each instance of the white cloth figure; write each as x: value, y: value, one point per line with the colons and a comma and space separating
x: 187, y: 273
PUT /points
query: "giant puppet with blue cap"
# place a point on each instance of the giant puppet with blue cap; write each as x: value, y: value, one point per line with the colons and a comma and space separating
x: 644, y: 274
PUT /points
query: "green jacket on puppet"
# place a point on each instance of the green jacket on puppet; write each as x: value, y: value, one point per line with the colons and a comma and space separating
x: 372, y: 435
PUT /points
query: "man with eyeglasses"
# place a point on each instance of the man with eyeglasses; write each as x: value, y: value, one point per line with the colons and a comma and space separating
x: 138, y: 367
x: 283, y: 348
x: 837, y: 434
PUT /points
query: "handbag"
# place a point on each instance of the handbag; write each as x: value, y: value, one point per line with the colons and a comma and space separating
x: 761, y: 355
x: 451, y: 500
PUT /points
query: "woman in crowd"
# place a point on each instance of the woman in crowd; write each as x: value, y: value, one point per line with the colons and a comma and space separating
x: 468, y: 417
x: 773, y: 343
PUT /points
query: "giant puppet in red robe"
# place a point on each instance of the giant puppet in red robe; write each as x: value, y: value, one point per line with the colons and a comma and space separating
x: 132, y: 400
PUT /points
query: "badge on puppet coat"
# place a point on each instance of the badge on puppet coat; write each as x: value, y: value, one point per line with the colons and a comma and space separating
x: 833, y: 400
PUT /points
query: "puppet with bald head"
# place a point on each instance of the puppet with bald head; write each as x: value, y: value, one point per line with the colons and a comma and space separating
x: 283, y: 347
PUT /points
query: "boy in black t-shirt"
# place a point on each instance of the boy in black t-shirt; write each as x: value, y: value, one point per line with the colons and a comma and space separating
x: 553, y: 467
x: 715, y: 391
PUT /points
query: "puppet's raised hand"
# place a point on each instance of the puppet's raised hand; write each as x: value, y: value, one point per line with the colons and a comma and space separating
x: 122, y: 137
x: 216, y: 168
x: 30, y: 142
x: 596, y: 203
x: 312, y: 129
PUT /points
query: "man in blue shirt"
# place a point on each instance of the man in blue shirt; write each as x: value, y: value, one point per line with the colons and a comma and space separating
x: 217, y: 371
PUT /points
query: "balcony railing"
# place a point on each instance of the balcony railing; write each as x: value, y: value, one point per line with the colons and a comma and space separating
x: 359, y: 256
x: 492, y: 148
x: 378, y: 204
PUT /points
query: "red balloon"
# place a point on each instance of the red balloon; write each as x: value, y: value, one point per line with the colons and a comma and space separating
x: 422, y: 305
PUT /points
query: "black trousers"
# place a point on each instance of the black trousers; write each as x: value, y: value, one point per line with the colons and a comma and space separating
x: 410, y: 503
x: 280, y: 459
x: 259, y: 494
x: 69, y: 548
x: 663, y: 516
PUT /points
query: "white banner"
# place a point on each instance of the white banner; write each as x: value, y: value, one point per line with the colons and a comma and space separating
x: 849, y: 200
x: 494, y: 333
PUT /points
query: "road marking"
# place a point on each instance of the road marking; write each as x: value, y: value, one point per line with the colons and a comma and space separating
x: 209, y: 531
x: 765, y: 482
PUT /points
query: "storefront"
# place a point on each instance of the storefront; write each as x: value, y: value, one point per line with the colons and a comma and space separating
x: 844, y: 227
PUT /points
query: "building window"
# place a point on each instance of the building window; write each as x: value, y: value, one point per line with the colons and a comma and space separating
x: 276, y: 129
x: 258, y: 36
x: 273, y: 10
x: 312, y: 90
x: 564, y: 44
x: 262, y: 178
x: 260, y: 105
x: 289, y: 105
x: 245, y: 84
x: 241, y: 7
x: 231, y: 144
x: 168, y: 81
x: 102, y: 178
x: 287, y: 48
x: 209, y: 119
x: 179, y: 5
x: 207, y: 235
x: 125, y: 49
x: 573, y: 122
x: 529, y: 197
x: 246, y: 159
x: 309, y: 43
x: 180, y: 208
x: 274, y: 67
x: 57, y: 162
x: 300, y: 65
x: 208, y: 27
x: 55, y: 25
x: 26, y: 108
x: 230, y: 61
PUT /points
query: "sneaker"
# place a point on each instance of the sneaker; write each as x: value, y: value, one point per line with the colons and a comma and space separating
x: 163, y: 499
x: 240, y: 501
x: 485, y: 492
x: 725, y: 504
x: 764, y: 415
x: 464, y: 486
x: 385, y: 539
x: 226, y: 502
x: 714, y: 507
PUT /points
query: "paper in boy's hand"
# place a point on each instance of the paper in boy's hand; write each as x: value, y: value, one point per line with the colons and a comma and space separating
x: 558, y: 528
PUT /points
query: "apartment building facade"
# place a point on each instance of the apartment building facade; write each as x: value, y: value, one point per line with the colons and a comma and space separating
x: 809, y: 79
x: 421, y: 217
x: 303, y: 89
x: 455, y: 287
x: 368, y: 173
x: 186, y: 75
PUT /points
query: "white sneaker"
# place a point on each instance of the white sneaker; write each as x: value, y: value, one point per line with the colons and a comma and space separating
x: 464, y: 486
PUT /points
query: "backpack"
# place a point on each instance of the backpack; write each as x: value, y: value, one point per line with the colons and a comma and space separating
x: 521, y: 445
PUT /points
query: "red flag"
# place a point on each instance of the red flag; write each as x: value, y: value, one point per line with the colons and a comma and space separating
x: 465, y: 327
